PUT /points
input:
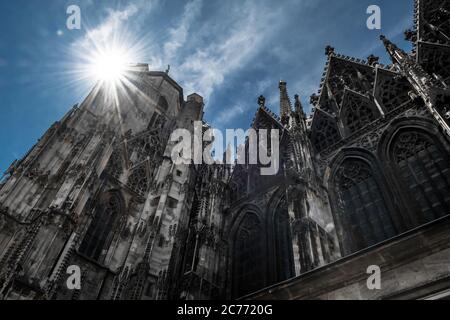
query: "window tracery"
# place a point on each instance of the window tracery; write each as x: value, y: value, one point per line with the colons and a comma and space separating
x: 363, y: 209
x: 424, y: 167
x: 325, y: 132
x: 139, y: 180
x: 357, y: 113
x: 116, y: 163
x: 248, y: 275
x: 346, y: 74
x: 393, y: 92
x: 103, y: 224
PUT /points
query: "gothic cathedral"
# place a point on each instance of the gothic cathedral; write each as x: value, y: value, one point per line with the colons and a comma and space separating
x: 364, y: 179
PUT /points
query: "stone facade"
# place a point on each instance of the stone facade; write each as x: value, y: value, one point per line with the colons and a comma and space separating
x: 414, y: 265
x: 364, y: 177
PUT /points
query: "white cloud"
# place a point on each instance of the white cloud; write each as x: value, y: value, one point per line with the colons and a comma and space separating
x: 206, y: 53
x: 120, y: 31
x: 104, y: 32
x: 202, y: 55
x: 179, y: 34
x: 238, y: 40
x: 115, y: 27
x: 229, y: 114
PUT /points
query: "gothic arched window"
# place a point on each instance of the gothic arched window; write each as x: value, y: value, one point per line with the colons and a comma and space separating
x: 138, y: 180
x: 283, y: 251
x: 103, y: 224
x: 424, y: 168
x: 248, y: 256
x: 364, y: 215
x: 162, y: 103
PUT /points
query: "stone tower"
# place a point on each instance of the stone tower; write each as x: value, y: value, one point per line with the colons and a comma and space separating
x: 364, y: 177
x: 99, y: 191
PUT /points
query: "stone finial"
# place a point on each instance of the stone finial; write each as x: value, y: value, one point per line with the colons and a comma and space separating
x: 314, y: 99
x: 329, y: 50
x: 392, y: 49
x: 372, y: 60
x: 285, y: 103
x: 389, y: 45
x: 298, y: 105
x: 261, y: 101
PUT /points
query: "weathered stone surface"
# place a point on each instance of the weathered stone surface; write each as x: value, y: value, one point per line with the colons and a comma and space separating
x: 363, y: 181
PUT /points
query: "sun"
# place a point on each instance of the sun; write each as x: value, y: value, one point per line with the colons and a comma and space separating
x: 109, y: 65
x: 104, y: 61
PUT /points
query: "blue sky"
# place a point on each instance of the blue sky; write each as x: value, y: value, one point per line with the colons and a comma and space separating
x: 229, y: 51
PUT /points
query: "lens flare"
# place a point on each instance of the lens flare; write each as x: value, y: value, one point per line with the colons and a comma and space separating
x: 105, y: 56
x: 105, y: 64
x: 109, y: 65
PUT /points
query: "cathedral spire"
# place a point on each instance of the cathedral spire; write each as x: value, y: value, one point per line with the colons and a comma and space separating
x: 397, y: 55
x: 425, y: 85
x: 262, y: 101
x: 285, y: 103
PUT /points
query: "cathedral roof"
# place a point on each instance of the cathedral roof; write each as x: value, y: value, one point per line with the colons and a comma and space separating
x: 346, y: 79
x: 265, y: 115
x: 350, y: 89
x: 342, y: 72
